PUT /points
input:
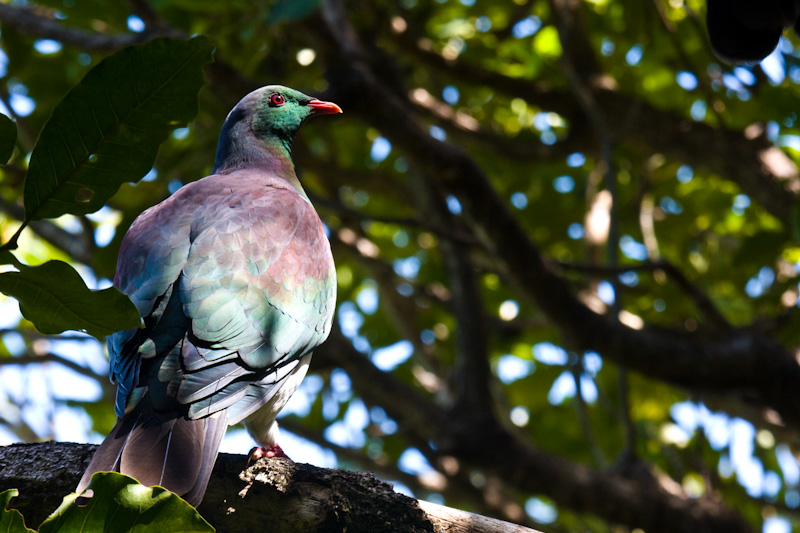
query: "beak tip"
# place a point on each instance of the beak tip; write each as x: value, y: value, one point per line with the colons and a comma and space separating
x: 324, y: 108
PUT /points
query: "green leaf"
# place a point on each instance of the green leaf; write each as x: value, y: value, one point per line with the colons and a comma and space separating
x: 108, y: 128
x: 53, y: 296
x: 8, y: 138
x: 120, y: 503
x: 11, y: 521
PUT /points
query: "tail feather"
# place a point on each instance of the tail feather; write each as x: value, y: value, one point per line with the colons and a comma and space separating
x: 214, y: 432
x: 162, y: 449
x: 107, y: 457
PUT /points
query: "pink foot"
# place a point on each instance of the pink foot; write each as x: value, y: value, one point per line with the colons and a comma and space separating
x: 273, y: 451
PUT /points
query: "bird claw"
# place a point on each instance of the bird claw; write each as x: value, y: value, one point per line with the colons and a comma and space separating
x: 257, y: 452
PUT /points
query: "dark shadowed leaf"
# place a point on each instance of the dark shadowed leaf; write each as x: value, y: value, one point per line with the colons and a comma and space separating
x: 54, y: 297
x: 107, y: 130
x: 11, y: 520
x: 8, y: 138
x: 288, y: 10
x: 120, y: 503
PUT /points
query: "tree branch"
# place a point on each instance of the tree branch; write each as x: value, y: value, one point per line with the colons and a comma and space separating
x: 458, y: 487
x: 742, y: 361
x: 763, y: 171
x: 700, y: 299
x: 637, y: 502
x: 108, y: 389
x: 43, y: 24
x: 290, y: 497
x: 759, y: 364
x: 471, y: 375
x: 402, y: 402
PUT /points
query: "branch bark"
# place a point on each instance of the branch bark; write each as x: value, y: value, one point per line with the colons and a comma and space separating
x: 290, y: 497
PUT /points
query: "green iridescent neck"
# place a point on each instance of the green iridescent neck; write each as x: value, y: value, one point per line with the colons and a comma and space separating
x: 241, y: 148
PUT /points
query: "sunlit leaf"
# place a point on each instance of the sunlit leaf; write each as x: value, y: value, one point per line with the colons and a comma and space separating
x: 107, y: 130
x: 120, y: 503
x: 54, y: 297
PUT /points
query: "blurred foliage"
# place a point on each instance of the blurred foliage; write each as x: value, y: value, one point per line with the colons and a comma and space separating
x: 394, y: 293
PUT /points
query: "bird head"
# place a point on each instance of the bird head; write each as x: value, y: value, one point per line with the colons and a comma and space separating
x: 280, y: 111
x: 266, y: 121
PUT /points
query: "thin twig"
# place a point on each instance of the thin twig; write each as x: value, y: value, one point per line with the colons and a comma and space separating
x: 583, y: 417
x: 33, y: 335
x: 29, y: 359
x: 453, y: 234
x: 21, y: 429
x: 701, y: 300
x: 576, y: 49
x: 75, y: 245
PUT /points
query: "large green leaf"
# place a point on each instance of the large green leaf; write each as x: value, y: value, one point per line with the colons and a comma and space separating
x: 53, y: 296
x: 107, y: 130
x: 11, y: 520
x: 8, y: 138
x: 120, y: 503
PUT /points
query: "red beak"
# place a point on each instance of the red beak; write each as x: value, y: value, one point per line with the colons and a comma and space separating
x: 324, y: 108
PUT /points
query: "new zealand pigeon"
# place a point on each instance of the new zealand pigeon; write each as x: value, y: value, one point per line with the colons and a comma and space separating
x: 234, y: 278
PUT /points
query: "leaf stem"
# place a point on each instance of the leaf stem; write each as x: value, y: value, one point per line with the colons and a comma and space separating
x: 12, y: 242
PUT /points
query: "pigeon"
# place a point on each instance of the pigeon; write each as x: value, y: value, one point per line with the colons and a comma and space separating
x: 235, y: 282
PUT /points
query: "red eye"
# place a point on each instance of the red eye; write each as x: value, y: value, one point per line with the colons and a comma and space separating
x: 277, y: 100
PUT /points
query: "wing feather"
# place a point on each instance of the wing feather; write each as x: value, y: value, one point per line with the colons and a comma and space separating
x: 235, y: 279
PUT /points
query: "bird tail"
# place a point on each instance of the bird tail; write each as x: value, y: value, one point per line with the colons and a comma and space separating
x: 164, y: 449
